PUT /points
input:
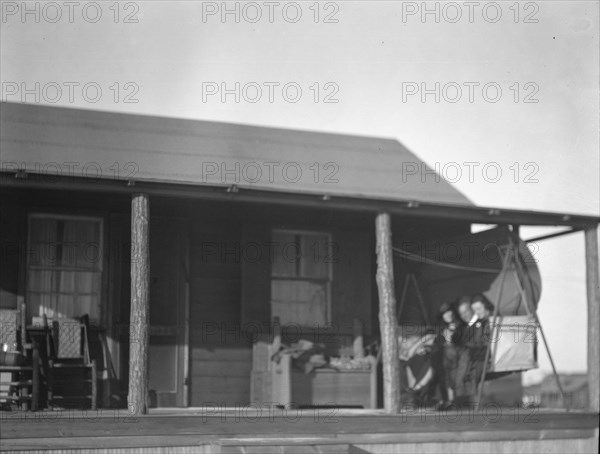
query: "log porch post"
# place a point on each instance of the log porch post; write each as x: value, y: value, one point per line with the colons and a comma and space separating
x: 138, y: 321
x: 593, y: 312
x: 388, y: 325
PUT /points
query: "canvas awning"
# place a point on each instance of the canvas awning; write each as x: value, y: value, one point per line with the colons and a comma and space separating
x: 464, y: 266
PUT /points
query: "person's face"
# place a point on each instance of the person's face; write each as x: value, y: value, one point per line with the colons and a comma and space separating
x: 448, y: 316
x: 465, y: 312
x: 480, y: 310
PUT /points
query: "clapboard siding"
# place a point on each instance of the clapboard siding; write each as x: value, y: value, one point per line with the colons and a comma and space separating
x: 256, y: 276
x: 222, y: 376
x: 208, y: 353
x: 221, y: 356
x: 230, y: 390
x: 11, y: 249
x: 219, y: 368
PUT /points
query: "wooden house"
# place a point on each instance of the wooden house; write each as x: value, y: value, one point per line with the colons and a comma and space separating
x: 184, y: 240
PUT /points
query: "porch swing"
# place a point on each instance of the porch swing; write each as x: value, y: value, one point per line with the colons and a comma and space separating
x: 498, y: 264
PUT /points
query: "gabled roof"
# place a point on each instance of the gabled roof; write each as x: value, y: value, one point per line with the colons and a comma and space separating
x: 86, y: 143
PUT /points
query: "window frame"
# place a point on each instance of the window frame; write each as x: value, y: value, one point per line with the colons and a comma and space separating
x: 100, y: 263
x: 327, y: 281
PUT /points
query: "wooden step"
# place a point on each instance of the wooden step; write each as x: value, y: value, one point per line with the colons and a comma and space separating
x: 300, y: 445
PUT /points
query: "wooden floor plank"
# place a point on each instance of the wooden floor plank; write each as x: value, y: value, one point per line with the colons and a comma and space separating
x: 68, y: 431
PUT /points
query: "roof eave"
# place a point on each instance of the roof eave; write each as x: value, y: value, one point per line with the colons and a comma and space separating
x: 411, y: 208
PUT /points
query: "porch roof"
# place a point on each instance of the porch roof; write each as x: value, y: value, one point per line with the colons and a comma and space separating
x: 74, y: 149
x: 90, y: 143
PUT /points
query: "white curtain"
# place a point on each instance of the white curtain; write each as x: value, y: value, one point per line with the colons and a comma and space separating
x: 64, y: 267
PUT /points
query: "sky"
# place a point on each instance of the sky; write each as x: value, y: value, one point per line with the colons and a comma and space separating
x: 510, y: 88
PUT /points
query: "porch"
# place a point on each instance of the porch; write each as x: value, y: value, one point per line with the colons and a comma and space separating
x: 185, y: 286
x: 210, y: 284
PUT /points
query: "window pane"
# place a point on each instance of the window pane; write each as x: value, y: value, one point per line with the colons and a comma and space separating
x: 84, y: 304
x: 34, y: 301
x: 285, y: 253
x: 42, y: 249
x: 43, y: 229
x: 66, y: 281
x: 65, y: 306
x: 85, y: 282
x: 80, y: 244
x: 46, y: 305
x: 315, y: 256
x: 40, y: 281
x: 297, y: 301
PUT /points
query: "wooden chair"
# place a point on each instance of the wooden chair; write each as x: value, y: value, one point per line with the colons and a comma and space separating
x: 19, y: 371
x: 72, y: 377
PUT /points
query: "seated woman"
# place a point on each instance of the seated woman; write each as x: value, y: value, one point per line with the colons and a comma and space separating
x: 416, y: 370
x: 448, y: 342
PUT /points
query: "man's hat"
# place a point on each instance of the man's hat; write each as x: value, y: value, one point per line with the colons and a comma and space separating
x: 445, y: 307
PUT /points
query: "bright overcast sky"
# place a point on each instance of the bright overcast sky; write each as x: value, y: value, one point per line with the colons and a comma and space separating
x: 509, y: 87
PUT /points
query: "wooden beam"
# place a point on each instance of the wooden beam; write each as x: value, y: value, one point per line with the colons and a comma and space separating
x: 553, y: 235
x: 140, y: 291
x: 473, y: 214
x: 593, y: 313
x: 387, y: 314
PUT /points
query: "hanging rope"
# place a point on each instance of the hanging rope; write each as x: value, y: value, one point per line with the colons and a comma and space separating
x: 419, y: 258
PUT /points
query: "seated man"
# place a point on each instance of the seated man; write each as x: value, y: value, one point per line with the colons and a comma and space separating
x: 474, y: 341
x: 465, y: 385
x: 478, y: 345
x: 449, y: 353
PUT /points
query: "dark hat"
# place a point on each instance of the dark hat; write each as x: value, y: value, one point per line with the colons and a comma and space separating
x: 445, y: 307
x: 464, y: 299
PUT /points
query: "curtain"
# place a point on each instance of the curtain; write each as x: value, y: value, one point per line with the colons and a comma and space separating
x: 64, y: 267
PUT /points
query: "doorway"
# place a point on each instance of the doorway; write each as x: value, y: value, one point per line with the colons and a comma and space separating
x: 169, y: 306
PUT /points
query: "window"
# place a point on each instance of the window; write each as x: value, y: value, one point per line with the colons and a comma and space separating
x: 64, y: 266
x: 301, y: 277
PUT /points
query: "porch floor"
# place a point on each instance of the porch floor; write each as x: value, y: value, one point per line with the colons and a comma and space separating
x: 264, y: 430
